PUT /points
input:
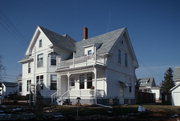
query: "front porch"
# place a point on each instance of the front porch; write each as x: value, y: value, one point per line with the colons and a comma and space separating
x: 87, y: 83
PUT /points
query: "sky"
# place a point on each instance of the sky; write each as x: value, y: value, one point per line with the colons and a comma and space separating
x: 153, y: 26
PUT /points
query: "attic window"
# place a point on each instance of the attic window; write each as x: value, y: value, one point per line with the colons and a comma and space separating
x: 122, y: 42
x: 40, y: 43
x: 89, y: 52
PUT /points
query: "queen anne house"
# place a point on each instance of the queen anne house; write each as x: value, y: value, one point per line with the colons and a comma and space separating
x: 93, y: 69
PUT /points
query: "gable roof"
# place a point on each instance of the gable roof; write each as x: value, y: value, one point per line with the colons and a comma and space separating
x: 62, y: 41
x: 177, y: 73
x: 106, y: 41
x: 174, y: 87
x: 146, y: 82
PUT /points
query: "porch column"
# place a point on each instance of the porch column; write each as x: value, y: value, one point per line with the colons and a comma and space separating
x: 68, y: 75
x: 95, y: 78
x: 73, y: 59
x: 58, y: 85
x: 95, y: 53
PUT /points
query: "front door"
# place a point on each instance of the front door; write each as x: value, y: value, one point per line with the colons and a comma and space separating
x: 64, y: 84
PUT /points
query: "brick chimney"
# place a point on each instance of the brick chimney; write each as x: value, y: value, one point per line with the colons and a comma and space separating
x: 85, y: 33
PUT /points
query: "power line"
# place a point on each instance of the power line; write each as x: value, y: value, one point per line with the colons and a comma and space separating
x: 8, y: 25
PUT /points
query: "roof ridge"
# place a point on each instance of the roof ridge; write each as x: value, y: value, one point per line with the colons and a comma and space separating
x: 50, y: 31
x: 120, y: 29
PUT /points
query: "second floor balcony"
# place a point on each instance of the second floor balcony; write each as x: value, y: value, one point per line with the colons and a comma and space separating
x: 82, y: 62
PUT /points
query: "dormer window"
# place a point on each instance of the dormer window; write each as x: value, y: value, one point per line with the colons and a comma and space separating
x: 89, y: 52
x: 40, y: 43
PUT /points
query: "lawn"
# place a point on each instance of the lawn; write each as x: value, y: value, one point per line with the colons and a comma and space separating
x: 123, y: 112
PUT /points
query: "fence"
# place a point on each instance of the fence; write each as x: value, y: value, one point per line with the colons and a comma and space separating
x: 145, y: 97
x: 166, y: 99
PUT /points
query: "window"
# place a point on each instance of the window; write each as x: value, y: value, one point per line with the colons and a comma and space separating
x: 29, y: 67
x: 90, y: 52
x: 119, y: 56
x: 40, y: 43
x: 72, y: 82
x: 28, y: 85
x: 81, y: 81
x: 53, y: 85
x: 130, y: 88
x: 20, y: 87
x: 53, y: 59
x: 39, y: 81
x: 40, y: 60
x: 126, y: 60
x: 89, y: 81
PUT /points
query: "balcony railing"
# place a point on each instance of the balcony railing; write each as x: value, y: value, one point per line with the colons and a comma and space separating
x: 82, y: 61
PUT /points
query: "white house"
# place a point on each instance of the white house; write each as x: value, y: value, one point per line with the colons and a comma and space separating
x: 19, y: 81
x: 7, y: 88
x: 149, y: 85
x: 94, y: 69
x: 175, y: 91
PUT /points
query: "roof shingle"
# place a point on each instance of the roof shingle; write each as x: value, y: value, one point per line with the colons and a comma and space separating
x: 102, y: 42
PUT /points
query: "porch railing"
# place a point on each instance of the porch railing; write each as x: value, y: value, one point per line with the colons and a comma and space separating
x: 82, y: 61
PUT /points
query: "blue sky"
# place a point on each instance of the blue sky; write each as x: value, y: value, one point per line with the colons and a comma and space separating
x: 153, y: 25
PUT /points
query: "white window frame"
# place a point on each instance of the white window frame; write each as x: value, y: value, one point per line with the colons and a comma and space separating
x: 40, y: 43
x: 53, y: 81
x: 40, y: 60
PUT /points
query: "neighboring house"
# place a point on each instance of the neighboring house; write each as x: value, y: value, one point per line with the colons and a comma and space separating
x: 146, y: 84
x: 175, y: 91
x: 7, y: 88
x: 19, y: 81
x: 156, y: 90
x: 93, y: 69
x: 149, y: 85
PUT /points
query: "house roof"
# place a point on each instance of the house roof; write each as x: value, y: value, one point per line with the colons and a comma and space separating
x: 10, y: 84
x: 177, y: 73
x: 102, y: 42
x: 146, y: 82
x: 174, y: 87
x: 63, y: 41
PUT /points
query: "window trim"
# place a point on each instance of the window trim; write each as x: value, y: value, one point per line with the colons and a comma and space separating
x: 40, y: 81
x: 72, y: 83
x: 28, y: 85
x: 91, y: 52
x: 126, y: 60
x: 82, y: 76
x: 89, y: 75
x: 53, y: 82
x: 29, y: 67
x: 53, y: 57
x: 40, y: 60
x: 119, y: 56
x: 40, y: 43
